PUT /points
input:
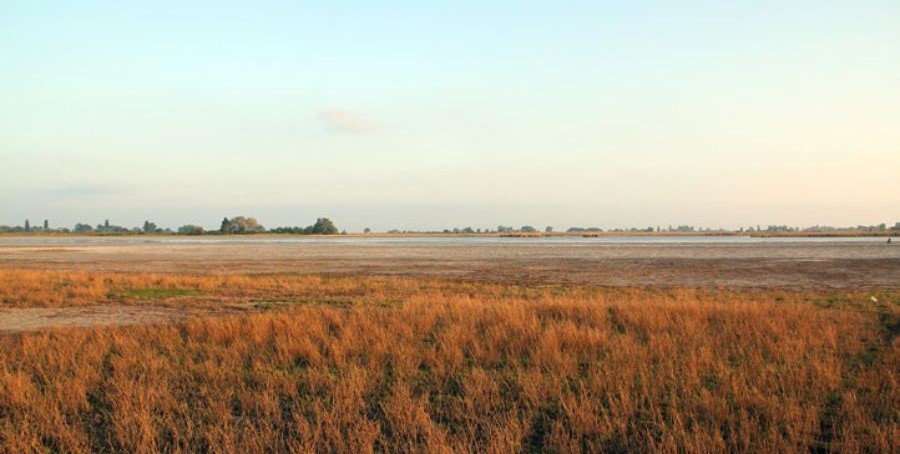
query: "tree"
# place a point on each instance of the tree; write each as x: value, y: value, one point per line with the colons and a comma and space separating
x: 83, y: 228
x: 46, y: 225
x: 190, y: 230
x: 241, y: 225
x: 528, y: 229
x: 27, y: 226
x: 324, y: 226
x: 106, y: 223
x: 367, y: 230
x: 549, y: 229
x: 150, y: 227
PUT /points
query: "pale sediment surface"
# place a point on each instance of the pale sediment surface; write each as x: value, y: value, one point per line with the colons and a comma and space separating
x: 867, y: 263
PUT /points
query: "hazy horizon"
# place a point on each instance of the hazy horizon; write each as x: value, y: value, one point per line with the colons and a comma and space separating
x: 213, y: 225
x: 423, y: 117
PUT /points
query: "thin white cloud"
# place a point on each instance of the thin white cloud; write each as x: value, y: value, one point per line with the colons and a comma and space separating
x: 346, y: 121
x: 86, y: 190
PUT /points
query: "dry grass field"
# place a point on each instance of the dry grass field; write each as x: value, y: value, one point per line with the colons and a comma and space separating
x: 390, y: 364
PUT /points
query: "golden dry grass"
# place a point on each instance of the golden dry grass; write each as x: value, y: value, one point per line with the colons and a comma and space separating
x: 402, y: 365
x: 49, y: 288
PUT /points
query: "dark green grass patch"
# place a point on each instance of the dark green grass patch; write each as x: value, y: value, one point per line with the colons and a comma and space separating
x: 154, y: 293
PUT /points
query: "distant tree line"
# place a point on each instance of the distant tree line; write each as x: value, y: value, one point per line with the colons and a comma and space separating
x: 190, y: 230
x: 239, y: 225
x: 323, y: 226
x: 243, y: 225
x: 246, y: 225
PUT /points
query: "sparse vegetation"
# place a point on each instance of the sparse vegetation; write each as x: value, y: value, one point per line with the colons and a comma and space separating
x: 354, y: 364
x: 153, y: 293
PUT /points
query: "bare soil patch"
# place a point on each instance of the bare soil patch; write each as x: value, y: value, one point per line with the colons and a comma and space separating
x: 13, y: 320
x: 788, y: 265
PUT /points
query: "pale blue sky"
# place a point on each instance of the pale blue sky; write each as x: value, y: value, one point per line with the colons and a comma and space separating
x: 419, y: 115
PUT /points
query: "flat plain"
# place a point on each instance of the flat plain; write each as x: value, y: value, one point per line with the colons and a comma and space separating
x: 448, y: 345
x: 836, y: 263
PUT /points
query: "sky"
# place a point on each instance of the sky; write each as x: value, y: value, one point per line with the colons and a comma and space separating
x: 436, y: 114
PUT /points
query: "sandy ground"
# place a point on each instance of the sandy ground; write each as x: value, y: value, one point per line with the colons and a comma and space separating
x: 820, y: 266
x: 31, y: 319
x: 13, y: 320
